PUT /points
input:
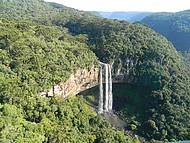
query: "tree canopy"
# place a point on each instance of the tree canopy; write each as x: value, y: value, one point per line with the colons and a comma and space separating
x: 174, y: 26
x: 47, y: 46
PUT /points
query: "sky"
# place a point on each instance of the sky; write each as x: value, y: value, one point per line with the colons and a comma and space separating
x: 127, y: 5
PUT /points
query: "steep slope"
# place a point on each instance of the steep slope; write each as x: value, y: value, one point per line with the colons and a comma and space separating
x: 143, y: 57
x: 139, y: 55
x: 33, y: 58
x: 41, y: 56
x: 174, y: 26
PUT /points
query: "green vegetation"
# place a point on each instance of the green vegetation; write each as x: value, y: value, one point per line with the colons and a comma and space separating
x: 129, y: 101
x: 54, y: 120
x: 25, y: 9
x: 131, y: 104
x: 39, y: 11
x: 156, y: 65
x: 34, y: 57
x: 175, y: 26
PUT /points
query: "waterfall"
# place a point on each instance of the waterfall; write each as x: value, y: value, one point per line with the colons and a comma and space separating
x: 105, y: 105
x: 101, y: 98
x: 106, y: 88
x: 110, y: 102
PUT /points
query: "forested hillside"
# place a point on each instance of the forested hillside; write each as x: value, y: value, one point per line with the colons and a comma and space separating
x: 37, y: 56
x: 33, y: 58
x: 156, y: 65
x: 174, y: 26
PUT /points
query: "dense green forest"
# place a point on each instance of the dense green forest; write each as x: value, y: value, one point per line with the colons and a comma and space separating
x: 174, y: 26
x: 33, y: 58
x: 45, y: 47
x: 159, y: 67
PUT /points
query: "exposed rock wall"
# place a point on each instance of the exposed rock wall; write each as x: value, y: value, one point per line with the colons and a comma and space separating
x: 124, y: 71
x: 84, y: 79
x: 81, y: 80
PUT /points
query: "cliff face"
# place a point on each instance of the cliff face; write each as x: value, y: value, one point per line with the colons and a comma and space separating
x: 81, y: 80
x: 124, y: 71
x: 84, y: 79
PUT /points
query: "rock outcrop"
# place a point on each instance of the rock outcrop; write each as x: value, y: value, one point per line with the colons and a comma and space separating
x: 81, y: 80
x: 84, y: 79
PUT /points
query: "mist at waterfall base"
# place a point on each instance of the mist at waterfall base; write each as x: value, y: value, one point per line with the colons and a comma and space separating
x: 128, y: 99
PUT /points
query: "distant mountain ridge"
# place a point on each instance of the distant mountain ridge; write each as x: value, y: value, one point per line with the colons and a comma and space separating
x: 174, y: 26
x: 129, y: 16
x: 35, y: 57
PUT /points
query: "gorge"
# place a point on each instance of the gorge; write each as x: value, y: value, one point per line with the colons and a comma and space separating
x: 51, y: 49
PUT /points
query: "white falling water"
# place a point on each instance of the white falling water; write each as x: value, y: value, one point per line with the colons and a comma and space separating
x: 107, y: 104
x: 101, y: 98
x: 106, y: 88
x: 110, y: 102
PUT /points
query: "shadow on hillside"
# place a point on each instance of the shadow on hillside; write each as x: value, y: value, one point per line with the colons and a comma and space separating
x: 128, y: 100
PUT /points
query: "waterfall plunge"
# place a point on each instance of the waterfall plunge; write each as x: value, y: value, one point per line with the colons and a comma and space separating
x: 107, y: 88
x: 101, y: 99
x: 107, y: 104
x: 110, y: 101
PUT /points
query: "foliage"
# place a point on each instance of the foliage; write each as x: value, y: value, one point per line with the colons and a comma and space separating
x: 156, y: 65
x: 60, y: 121
x: 175, y: 26
x: 34, y: 57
